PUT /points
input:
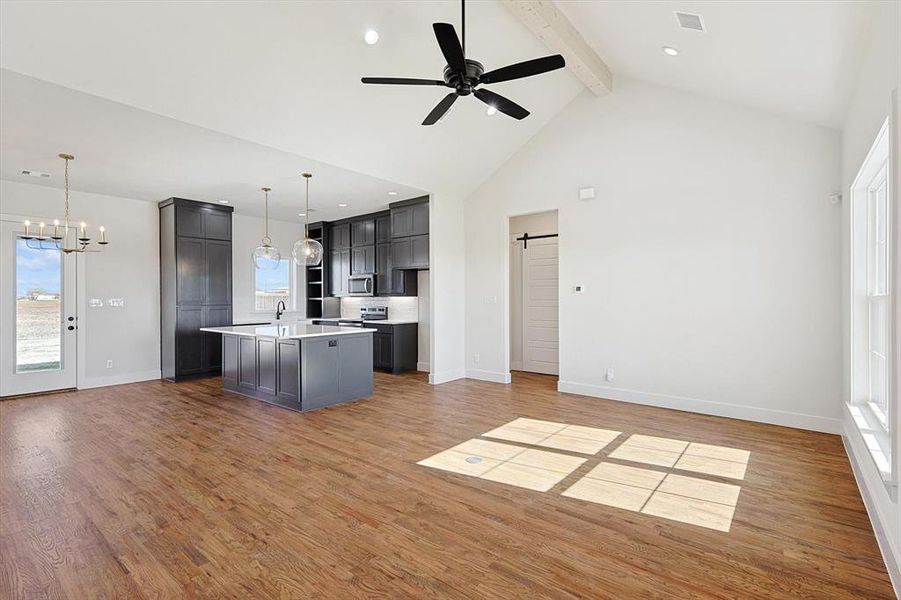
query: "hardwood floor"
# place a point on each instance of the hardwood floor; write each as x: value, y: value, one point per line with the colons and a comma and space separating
x: 182, y: 490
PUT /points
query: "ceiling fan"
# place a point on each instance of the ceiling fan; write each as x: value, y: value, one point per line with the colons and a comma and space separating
x: 465, y: 75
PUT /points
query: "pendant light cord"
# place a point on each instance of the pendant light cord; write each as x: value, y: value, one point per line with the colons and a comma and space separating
x: 66, y: 179
x: 306, y: 212
x: 265, y: 191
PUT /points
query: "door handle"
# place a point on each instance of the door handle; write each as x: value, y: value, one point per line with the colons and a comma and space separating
x: 70, y: 327
x: 71, y: 319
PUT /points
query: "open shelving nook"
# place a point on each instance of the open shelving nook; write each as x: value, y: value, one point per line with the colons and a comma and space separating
x: 316, y: 278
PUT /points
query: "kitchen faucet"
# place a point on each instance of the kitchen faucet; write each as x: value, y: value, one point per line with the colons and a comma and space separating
x: 279, y: 310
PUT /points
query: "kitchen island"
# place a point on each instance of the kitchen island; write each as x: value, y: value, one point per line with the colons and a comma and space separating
x: 296, y: 365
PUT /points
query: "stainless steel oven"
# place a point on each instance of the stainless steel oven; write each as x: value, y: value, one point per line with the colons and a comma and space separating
x: 361, y: 285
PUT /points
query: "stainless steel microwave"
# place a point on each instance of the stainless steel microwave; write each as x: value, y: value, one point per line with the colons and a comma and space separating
x: 361, y: 285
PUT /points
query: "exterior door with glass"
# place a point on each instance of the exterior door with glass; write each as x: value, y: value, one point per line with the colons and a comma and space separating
x: 38, y: 316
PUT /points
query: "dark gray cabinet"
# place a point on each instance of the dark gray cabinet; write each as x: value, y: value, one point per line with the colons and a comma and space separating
x: 201, y: 222
x: 410, y: 217
x: 339, y: 271
x: 266, y: 365
x: 288, y: 386
x: 395, y: 348
x: 362, y: 260
x: 301, y: 374
x: 410, y: 252
x: 362, y: 232
x: 340, y: 235
x: 383, y: 228
x: 195, y: 285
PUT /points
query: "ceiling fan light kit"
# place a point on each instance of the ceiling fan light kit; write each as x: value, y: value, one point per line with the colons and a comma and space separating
x: 465, y: 75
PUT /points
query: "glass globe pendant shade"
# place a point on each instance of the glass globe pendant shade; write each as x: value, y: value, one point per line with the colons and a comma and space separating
x: 307, y: 253
x: 266, y: 257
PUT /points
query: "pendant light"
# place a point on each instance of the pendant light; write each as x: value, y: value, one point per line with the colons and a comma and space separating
x: 60, y: 238
x: 266, y: 256
x: 307, y: 252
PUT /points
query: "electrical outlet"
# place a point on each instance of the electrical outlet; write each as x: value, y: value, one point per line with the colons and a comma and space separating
x: 610, y: 374
x: 109, y: 364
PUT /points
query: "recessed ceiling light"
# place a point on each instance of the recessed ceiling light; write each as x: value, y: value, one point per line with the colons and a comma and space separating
x: 223, y: 202
x: 491, y: 111
x: 31, y: 173
x: 342, y: 205
x: 669, y: 50
x: 371, y: 37
x: 301, y: 214
x: 392, y: 193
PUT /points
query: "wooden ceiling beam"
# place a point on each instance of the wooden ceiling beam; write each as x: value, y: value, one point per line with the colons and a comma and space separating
x: 551, y: 26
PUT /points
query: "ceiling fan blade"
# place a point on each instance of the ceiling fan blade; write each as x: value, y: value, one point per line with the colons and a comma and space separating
x: 508, y: 107
x: 441, y: 108
x: 401, y: 81
x: 450, y: 46
x: 524, y: 69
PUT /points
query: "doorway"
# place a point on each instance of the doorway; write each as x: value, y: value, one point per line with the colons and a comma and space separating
x: 37, y: 315
x: 534, y: 293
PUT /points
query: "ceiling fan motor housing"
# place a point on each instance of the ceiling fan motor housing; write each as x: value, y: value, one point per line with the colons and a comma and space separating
x: 464, y: 83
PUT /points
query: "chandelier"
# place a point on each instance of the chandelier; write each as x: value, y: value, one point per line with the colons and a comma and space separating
x: 307, y: 252
x: 60, y: 239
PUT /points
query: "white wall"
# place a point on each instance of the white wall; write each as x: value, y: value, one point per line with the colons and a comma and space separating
x: 710, y: 256
x: 127, y: 268
x: 534, y: 224
x: 878, y: 75
x: 446, y: 279
x: 247, y: 233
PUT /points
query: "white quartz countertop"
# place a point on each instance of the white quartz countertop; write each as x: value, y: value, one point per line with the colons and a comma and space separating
x: 370, y: 322
x: 286, y: 330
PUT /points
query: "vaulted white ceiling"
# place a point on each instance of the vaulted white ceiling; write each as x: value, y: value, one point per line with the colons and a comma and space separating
x: 795, y: 58
x: 285, y: 75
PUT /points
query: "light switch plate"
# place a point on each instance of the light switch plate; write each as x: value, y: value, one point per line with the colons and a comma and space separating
x: 586, y: 193
x: 578, y: 288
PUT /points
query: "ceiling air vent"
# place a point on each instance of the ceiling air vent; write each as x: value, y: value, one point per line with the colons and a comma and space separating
x: 690, y: 21
x: 31, y: 173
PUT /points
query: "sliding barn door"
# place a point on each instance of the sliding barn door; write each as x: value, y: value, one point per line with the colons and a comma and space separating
x: 540, y: 303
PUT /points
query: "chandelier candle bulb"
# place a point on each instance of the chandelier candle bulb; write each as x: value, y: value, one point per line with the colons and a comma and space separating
x: 27, y: 225
x: 41, y: 229
x: 102, y: 235
x: 56, y: 229
x: 81, y: 231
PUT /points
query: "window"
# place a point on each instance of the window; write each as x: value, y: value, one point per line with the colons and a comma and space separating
x: 38, y: 318
x: 873, y: 400
x: 877, y: 296
x: 272, y: 286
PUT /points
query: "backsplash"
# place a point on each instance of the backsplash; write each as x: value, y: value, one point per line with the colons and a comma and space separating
x: 398, y: 308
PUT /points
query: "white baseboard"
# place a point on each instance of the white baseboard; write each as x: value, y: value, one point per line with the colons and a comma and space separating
x: 854, y: 448
x: 495, y: 376
x: 720, y: 409
x: 422, y: 366
x: 445, y: 376
x: 95, y: 382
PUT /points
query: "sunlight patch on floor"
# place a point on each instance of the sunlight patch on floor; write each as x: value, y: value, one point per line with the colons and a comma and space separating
x: 653, y: 492
x: 513, y: 465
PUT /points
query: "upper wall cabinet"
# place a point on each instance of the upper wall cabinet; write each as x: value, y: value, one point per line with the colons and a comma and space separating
x: 340, y: 236
x: 410, y: 217
x: 202, y: 222
x: 362, y: 233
